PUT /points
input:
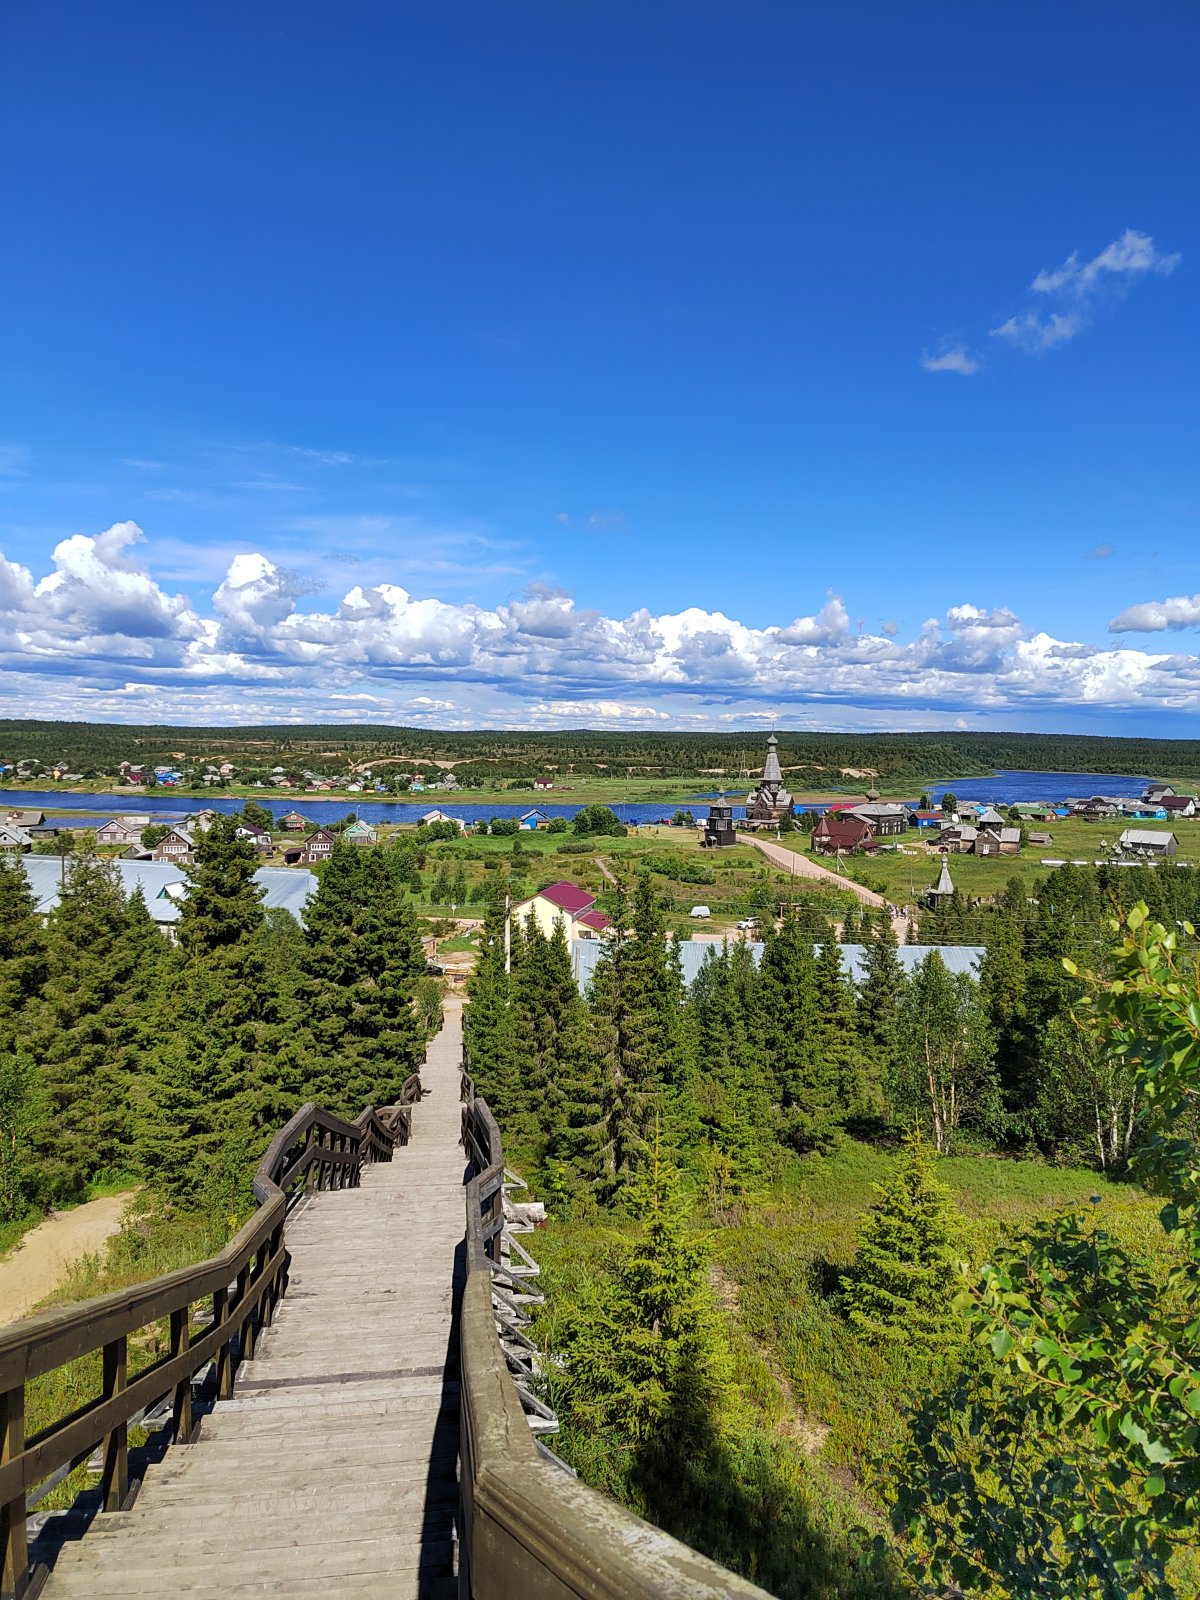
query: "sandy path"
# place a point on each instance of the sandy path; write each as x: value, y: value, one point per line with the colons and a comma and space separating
x: 805, y: 867
x: 39, y: 1263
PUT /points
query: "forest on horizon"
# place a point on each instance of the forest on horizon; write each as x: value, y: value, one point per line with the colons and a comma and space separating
x: 811, y: 758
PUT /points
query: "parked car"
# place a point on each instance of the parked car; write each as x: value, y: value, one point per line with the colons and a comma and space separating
x: 747, y: 923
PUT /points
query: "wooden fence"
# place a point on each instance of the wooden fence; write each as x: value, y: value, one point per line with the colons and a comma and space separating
x: 527, y: 1526
x: 243, y: 1284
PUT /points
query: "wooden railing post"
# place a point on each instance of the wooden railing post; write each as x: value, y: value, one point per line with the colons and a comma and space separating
x: 275, y: 1288
x: 15, y: 1546
x: 245, y: 1331
x: 251, y: 1325
x: 224, y: 1353
x: 114, y: 1483
x: 182, y: 1408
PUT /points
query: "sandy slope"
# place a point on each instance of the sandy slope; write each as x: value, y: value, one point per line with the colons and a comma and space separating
x: 39, y: 1263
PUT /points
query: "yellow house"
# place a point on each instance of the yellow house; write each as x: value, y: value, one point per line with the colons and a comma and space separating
x: 566, y: 903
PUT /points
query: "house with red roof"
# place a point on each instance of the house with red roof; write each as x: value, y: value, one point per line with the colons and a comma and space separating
x: 834, y: 834
x: 567, y: 903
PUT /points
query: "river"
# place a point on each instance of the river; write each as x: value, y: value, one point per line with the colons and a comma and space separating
x: 1002, y: 788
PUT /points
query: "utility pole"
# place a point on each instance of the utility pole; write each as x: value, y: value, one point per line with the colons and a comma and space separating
x: 507, y: 933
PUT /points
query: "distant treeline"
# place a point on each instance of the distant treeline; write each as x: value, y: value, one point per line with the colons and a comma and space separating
x: 813, y: 758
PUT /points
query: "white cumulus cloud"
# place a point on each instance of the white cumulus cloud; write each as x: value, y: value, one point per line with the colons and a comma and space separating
x: 953, y: 360
x: 97, y: 633
x: 1155, y: 616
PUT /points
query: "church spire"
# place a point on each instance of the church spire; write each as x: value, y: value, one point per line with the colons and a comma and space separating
x: 771, y: 772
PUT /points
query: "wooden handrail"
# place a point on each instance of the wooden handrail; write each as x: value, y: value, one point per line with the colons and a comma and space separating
x: 526, y: 1526
x: 244, y: 1281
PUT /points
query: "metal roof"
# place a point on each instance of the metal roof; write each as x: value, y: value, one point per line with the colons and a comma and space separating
x: 568, y: 896
x: 163, y: 885
x: 692, y: 952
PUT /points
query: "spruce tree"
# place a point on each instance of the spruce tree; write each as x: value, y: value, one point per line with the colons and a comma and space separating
x: 489, y: 1024
x: 646, y: 1354
x: 807, y: 1090
x: 879, y: 994
x: 22, y: 974
x: 88, y: 1031
x: 560, y: 1094
x: 730, y: 1091
x: 906, y: 1267
x: 359, y: 1035
x: 636, y: 1002
x: 217, y: 1042
x: 837, y: 1045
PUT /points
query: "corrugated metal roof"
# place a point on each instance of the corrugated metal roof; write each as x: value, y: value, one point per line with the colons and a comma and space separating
x: 568, y: 896
x: 162, y: 885
x: 958, y: 957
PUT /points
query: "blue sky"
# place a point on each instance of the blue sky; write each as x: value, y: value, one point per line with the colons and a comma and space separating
x: 558, y: 364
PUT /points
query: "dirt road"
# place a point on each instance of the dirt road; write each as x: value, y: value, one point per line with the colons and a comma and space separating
x: 40, y: 1262
x: 803, y: 866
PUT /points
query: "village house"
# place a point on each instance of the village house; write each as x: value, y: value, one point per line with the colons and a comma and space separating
x: 885, y: 821
x: 293, y: 822
x: 1041, y: 838
x: 431, y: 817
x: 926, y: 819
x: 988, y: 817
x: 1144, y: 810
x: 1147, y: 842
x: 1156, y: 793
x: 532, y: 820
x: 258, y: 837
x: 565, y: 903
x: 360, y: 833
x: 998, y: 842
x: 834, y: 834
x: 176, y: 848
x: 317, y: 847
x: 26, y: 819
x: 122, y: 831
x: 1179, y: 805
x: 543, y: 783
x: 959, y: 839
x: 1096, y: 808
x: 14, y: 841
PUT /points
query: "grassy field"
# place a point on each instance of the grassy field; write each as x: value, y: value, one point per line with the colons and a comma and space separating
x: 918, y: 864
x: 684, y: 874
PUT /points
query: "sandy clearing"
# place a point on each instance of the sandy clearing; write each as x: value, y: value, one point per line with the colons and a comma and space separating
x: 40, y: 1262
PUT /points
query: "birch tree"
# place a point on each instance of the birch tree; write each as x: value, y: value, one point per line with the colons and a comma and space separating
x: 945, y: 1072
